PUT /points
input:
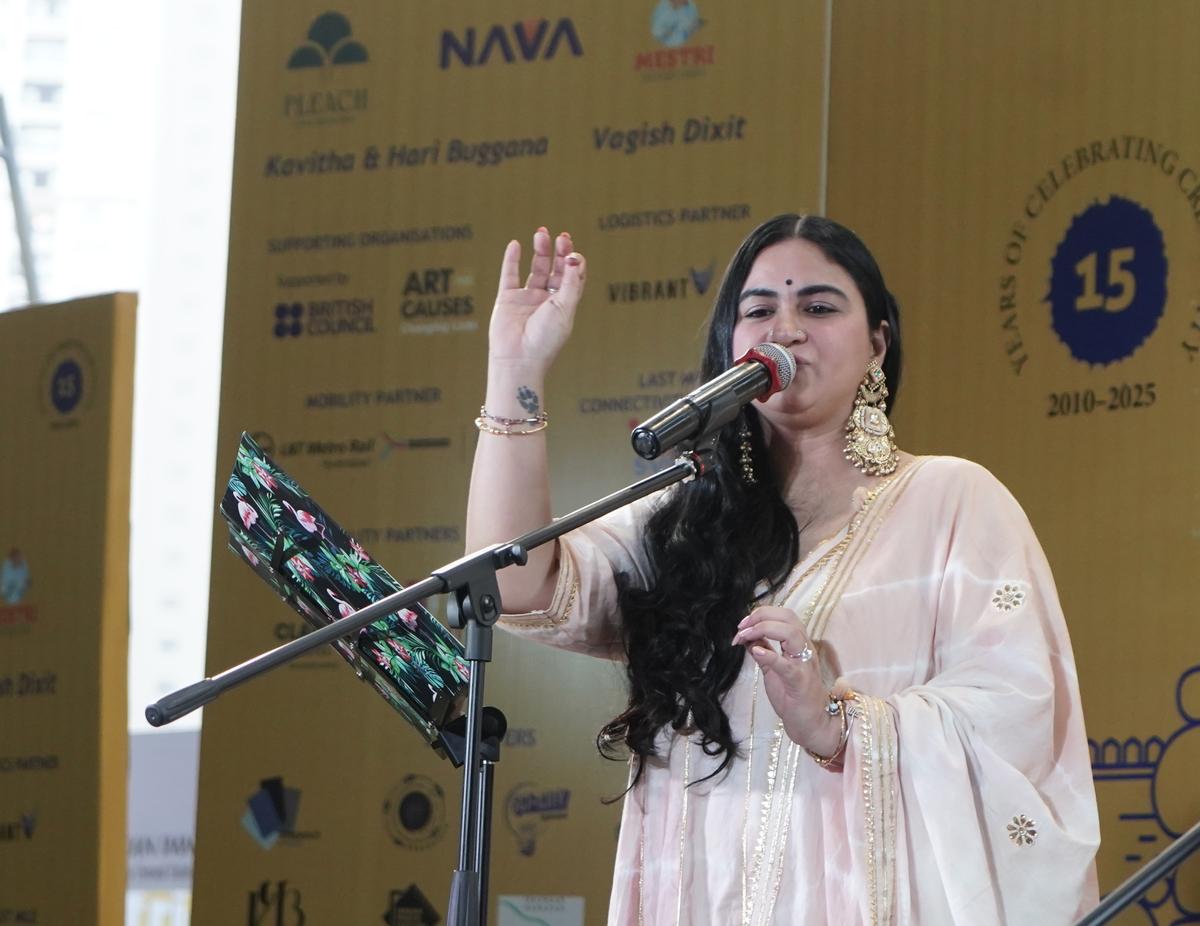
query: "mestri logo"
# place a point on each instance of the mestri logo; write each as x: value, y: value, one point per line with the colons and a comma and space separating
x: 19, y: 829
x: 14, y: 578
x: 329, y: 45
x: 672, y: 24
x: 529, y: 808
x: 273, y: 903
x: 324, y: 317
x: 410, y: 907
x: 15, y: 613
x: 695, y: 283
x: 271, y: 813
x: 531, y: 40
x: 414, y: 812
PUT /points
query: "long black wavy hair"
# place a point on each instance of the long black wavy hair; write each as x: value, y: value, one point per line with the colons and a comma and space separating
x: 717, y: 537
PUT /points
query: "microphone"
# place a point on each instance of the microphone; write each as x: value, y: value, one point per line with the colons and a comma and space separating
x: 762, y: 372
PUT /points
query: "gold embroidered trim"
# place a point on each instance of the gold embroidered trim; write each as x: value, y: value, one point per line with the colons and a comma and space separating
x: 557, y: 614
x: 877, y: 776
x: 860, y: 533
x: 550, y: 621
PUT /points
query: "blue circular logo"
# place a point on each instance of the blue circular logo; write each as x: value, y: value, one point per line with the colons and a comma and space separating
x: 1108, y: 281
x: 66, y: 386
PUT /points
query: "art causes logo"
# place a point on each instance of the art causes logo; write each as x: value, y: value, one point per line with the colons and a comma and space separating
x: 531, y: 40
x: 271, y: 813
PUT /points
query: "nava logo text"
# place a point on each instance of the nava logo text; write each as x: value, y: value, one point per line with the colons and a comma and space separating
x: 531, y: 40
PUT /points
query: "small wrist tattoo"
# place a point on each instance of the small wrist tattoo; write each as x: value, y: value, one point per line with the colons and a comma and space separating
x: 529, y: 400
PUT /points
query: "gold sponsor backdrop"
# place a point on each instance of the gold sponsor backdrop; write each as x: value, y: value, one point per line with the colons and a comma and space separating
x: 374, y: 199
x: 970, y: 144
x: 66, y: 373
x: 371, y: 202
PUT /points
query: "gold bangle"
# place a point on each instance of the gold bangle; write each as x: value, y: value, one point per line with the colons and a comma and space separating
x: 827, y: 761
x: 507, y: 431
x: 512, y: 422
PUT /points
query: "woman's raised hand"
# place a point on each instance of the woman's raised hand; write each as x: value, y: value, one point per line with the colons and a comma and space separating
x: 531, y: 322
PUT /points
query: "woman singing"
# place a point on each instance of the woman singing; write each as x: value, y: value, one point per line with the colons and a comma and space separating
x: 852, y: 697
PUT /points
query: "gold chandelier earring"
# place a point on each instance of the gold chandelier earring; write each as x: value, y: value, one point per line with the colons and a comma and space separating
x: 870, y: 440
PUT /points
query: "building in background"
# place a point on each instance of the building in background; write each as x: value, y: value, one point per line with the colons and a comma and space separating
x: 123, y: 116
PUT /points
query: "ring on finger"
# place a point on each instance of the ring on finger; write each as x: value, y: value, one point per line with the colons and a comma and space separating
x: 805, y: 655
x: 551, y: 290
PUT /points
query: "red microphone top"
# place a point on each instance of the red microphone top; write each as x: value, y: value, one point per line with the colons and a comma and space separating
x: 780, y: 365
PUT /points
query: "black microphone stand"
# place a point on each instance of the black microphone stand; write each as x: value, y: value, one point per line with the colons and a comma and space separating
x: 472, y: 580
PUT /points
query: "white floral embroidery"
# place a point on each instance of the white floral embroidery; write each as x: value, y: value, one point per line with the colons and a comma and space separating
x: 1022, y: 830
x: 1008, y: 597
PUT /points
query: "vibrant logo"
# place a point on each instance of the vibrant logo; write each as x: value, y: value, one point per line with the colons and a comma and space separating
x: 528, y: 809
x: 672, y: 24
x: 702, y: 279
x: 694, y: 283
x: 531, y: 40
x: 415, y: 813
x: 19, y: 829
x: 410, y: 907
x: 273, y: 903
x: 329, y: 44
x: 1108, y: 281
x: 271, y: 812
x: 324, y: 317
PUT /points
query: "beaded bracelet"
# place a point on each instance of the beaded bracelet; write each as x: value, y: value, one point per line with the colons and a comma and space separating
x: 836, y: 705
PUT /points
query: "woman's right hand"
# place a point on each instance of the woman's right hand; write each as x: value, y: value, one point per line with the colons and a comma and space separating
x: 531, y: 323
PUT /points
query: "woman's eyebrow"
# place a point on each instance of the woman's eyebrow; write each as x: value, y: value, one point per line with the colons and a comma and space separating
x: 811, y: 290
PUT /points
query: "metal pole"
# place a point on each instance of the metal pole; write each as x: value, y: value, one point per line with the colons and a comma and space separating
x: 1139, y: 882
x: 8, y: 152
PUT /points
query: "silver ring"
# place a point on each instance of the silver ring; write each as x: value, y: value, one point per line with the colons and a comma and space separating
x: 551, y: 290
x: 805, y: 655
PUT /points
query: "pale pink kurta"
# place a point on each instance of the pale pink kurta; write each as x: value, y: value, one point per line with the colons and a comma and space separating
x: 966, y: 795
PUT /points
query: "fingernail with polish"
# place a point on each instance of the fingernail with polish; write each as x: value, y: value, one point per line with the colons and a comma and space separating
x: 573, y: 260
